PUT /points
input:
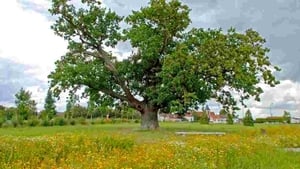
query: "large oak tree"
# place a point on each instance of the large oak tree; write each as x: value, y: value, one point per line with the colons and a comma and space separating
x: 172, y: 66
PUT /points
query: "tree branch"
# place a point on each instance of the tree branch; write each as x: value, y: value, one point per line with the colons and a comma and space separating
x: 107, y: 92
x: 101, y: 54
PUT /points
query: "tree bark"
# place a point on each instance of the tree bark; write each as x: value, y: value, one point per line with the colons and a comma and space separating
x: 149, y: 118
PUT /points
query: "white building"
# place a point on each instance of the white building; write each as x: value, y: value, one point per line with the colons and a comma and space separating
x: 295, y: 120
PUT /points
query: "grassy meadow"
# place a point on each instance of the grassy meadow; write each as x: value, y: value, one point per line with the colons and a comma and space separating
x: 126, y: 146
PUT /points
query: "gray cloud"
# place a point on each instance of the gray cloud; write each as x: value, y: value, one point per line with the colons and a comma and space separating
x: 276, y: 20
x: 12, y: 78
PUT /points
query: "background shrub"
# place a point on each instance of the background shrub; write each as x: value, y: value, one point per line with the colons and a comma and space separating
x: 60, y: 121
x: 33, y: 122
x: 82, y: 121
x: 47, y: 122
x: 2, y: 121
x: 248, y: 120
x: 72, y: 122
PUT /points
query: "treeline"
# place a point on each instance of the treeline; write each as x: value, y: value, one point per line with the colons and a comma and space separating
x: 25, y: 112
x: 286, y: 118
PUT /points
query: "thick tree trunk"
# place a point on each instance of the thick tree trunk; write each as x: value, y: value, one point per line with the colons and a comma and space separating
x: 149, y: 118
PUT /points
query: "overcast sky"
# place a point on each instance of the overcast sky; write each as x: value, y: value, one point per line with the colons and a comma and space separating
x: 28, y: 47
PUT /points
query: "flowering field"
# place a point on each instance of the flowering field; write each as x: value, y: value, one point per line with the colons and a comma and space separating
x: 124, y: 146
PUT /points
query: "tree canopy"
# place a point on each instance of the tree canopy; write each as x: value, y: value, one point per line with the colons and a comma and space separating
x: 172, y: 66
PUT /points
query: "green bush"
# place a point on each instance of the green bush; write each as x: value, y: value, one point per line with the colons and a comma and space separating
x: 33, y: 122
x: 248, y: 120
x: 16, y: 123
x: 102, y: 121
x: 72, y: 122
x: 2, y: 121
x: 59, y: 121
x: 260, y: 120
x: 204, y: 119
x: 229, y: 119
x: 82, y: 121
x: 7, y: 123
x: 97, y: 121
x: 47, y: 122
x: 274, y: 119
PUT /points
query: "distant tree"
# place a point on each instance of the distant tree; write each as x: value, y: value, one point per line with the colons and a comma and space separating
x: 2, y: 115
x: 204, y: 118
x: 10, y: 112
x: 78, y: 111
x: 2, y: 107
x: 287, y: 116
x: 91, y: 109
x: 248, y: 120
x: 229, y: 119
x: 71, y: 102
x: 49, y: 106
x: 172, y: 64
x: 26, y: 107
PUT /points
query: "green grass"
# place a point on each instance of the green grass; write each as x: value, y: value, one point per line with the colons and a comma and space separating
x: 241, y: 148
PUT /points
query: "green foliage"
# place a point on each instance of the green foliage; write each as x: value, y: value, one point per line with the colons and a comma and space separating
x: 260, y: 120
x: 170, y: 67
x: 204, y: 119
x: 72, y: 122
x: 46, y: 122
x: 16, y: 123
x: 58, y: 121
x: 82, y: 121
x: 229, y: 119
x: 273, y: 119
x: 2, y: 121
x: 77, y: 111
x: 33, y: 122
x: 223, y: 112
x: 7, y: 124
x: 25, y: 106
x: 49, y: 106
x: 196, y: 116
x: 248, y: 120
x: 287, y: 117
x: 8, y: 113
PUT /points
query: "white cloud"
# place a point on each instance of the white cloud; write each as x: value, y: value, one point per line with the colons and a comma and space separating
x: 26, y: 38
x: 275, y: 100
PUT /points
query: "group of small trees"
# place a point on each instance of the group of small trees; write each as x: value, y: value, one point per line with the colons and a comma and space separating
x: 26, y: 111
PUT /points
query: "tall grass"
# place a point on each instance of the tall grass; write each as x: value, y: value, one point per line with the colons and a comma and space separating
x: 125, y: 146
